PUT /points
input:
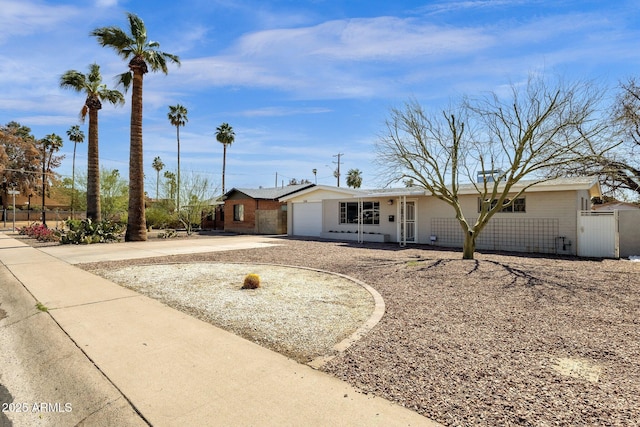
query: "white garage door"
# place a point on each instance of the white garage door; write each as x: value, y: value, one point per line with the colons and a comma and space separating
x: 307, y: 219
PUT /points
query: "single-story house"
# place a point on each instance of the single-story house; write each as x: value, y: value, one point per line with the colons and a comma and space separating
x: 544, y: 219
x: 258, y: 210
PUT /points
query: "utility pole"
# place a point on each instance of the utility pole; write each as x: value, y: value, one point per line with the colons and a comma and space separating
x: 337, y: 172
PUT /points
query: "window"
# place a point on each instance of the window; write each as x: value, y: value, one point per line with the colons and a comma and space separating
x: 370, y: 213
x: 519, y: 205
x: 238, y: 212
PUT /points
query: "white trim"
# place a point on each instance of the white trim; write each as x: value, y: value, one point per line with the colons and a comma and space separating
x: 345, y: 191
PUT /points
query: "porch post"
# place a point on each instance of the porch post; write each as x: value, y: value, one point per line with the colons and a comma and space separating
x: 360, y: 238
x: 403, y: 220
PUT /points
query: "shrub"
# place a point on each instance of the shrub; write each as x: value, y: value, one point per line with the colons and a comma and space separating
x: 39, y: 232
x: 251, y: 281
x: 158, y: 217
x: 168, y: 234
x: 86, y: 231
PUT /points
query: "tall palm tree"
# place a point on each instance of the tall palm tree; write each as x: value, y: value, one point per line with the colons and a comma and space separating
x: 225, y: 136
x: 96, y: 92
x: 76, y: 136
x: 158, y: 165
x: 142, y: 54
x: 178, y: 117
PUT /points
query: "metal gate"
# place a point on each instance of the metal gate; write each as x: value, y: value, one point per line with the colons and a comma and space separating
x: 598, y: 234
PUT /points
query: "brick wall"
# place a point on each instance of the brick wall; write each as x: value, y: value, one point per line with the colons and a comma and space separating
x: 249, y: 223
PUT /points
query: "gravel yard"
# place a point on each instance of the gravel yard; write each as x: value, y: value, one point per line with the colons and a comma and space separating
x: 298, y: 312
x: 500, y: 340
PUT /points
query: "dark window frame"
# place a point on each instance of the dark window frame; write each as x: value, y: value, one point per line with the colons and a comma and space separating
x: 348, y: 213
x: 518, y: 206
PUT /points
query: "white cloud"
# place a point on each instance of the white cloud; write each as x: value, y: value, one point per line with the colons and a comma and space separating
x: 337, y: 59
x: 106, y: 3
x: 381, y: 39
x: 22, y: 17
x: 283, y: 111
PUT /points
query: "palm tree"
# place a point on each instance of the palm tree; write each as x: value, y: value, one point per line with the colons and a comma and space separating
x: 50, y: 144
x: 354, y: 178
x: 315, y: 174
x: 142, y: 54
x: 91, y: 84
x: 171, y: 181
x: 225, y: 136
x: 178, y: 117
x: 76, y: 136
x: 158, y: 165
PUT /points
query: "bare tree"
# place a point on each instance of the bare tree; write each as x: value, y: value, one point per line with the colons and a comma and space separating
x: 616, y: 163
x: 536, y: 128
x: 198, y: 198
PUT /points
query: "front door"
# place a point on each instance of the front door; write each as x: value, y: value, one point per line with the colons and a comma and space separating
x: 407, y: 222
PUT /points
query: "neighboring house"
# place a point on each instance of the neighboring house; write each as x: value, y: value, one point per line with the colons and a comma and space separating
x: 628, y: 223
x: 258, y: 211
x: 543, y: 220
x: 616, y: 206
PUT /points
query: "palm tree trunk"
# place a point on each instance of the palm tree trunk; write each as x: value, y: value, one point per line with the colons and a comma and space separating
x: 73, y: 181
x: 224, y: 164
x: 93, y: 169
x: 136, y: 221
x: 178, y: 198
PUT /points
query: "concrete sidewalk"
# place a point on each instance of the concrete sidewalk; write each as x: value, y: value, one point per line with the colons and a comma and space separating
x: 171, y: 368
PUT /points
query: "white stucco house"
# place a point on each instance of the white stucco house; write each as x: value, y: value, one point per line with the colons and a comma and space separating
x: 543, y: 220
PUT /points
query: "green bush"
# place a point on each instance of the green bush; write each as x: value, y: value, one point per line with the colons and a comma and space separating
x: 86, y: 231
x: 159, y: 217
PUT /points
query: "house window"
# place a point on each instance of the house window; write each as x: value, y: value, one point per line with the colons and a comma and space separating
x: 238, y: 212
x: 519, y: 205
x: 370, y: 213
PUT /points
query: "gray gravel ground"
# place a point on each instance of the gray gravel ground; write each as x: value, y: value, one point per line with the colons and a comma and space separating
x: 501, y: 340
x: 298, y: 312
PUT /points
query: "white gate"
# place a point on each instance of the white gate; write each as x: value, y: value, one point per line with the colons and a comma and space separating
x: 598, y: 234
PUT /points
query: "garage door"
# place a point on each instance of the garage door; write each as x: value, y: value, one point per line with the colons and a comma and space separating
x: 307, y: 219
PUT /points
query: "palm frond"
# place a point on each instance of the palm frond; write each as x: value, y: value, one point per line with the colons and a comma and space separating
x: 94, y: 75
x: 125, y: 80
x: 83, y: 113
x: 115, y: 38
x: 138, y: 29
x: 74, y: 80
x: 113, y: 96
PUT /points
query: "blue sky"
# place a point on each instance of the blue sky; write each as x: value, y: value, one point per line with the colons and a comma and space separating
x: 299, y: 81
